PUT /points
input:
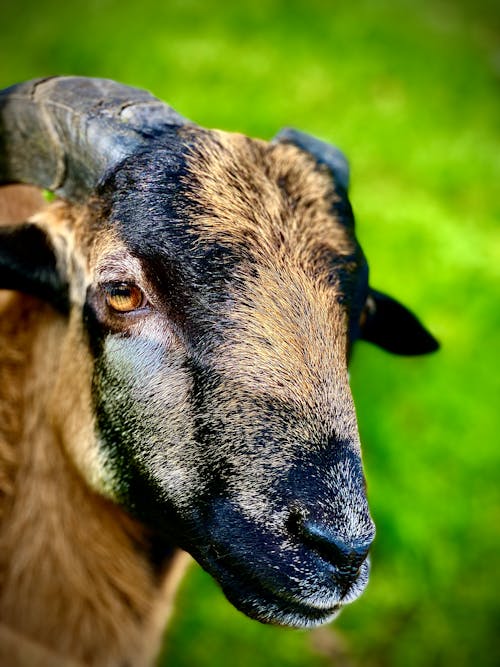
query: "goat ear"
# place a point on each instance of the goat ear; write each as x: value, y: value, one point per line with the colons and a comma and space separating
x: 28, y: 264
x: 390, y: 325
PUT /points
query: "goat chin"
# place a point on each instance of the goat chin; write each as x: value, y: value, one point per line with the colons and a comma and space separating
x: 315, y: 598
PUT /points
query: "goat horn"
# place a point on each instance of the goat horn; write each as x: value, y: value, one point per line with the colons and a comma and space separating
x: 65, y: 133
x: 324, y: 153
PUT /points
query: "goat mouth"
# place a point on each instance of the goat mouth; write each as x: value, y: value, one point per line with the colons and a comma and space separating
x: 277, y: 606
x: 267, y: 607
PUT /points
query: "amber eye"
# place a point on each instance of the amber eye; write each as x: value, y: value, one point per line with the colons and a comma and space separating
x: 124, y: 297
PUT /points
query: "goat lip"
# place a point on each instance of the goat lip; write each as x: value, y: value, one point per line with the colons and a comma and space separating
x: 268, y: 605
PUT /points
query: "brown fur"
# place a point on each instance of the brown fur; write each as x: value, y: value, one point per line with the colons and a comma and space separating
x: 292, y: 215
x: 19, y: 202
x: 75, y: 578
x: 288, y: 312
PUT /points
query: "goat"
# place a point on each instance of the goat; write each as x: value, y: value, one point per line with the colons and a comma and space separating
x: 174, y: 351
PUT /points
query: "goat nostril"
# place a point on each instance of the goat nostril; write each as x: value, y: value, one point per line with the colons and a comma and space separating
x: 346, y: 555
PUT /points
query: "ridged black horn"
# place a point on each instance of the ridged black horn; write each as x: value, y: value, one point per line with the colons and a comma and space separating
x: 65, y: 133
x: 324, y: 153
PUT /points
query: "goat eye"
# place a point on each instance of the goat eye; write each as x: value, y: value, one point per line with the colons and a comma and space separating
x: 123, y: 297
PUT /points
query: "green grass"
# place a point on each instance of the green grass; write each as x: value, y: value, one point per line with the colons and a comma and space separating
x: 411, y: 92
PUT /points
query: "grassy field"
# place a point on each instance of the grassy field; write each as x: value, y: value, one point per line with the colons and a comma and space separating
x: 411, y: 92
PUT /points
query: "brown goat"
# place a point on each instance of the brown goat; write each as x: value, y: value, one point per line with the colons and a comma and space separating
x: 174, y: 373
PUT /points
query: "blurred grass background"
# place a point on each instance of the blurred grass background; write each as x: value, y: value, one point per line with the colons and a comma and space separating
x: 410, y: 91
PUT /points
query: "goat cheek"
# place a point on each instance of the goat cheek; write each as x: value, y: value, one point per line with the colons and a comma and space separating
x: 142, y: 391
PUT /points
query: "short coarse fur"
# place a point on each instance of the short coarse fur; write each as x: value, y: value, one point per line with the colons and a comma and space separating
x: 214, y: 416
